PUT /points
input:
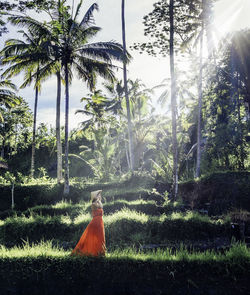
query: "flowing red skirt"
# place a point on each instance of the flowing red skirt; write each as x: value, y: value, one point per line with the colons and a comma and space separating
x: 92, y: 241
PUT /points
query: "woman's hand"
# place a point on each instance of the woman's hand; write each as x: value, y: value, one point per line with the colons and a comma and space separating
x: 97, y: 204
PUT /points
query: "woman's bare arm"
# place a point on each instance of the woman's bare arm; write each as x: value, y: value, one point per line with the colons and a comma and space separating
x: 97, y: 205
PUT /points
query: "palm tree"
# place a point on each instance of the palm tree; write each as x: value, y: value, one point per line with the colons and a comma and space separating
x: 7, y: 95
x: 142, y: 118
x: 49, y: 35
x: 72, y: 51
x: 204, y: 25
x: 8, y: 99
x: 29, y: 57
x: 130, y: 134
x: 87, y: 59
x: 96, y: 106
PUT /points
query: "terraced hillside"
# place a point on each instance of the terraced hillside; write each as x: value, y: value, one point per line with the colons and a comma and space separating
x: 154, y: 247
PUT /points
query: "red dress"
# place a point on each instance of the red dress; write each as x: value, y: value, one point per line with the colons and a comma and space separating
x: 92, y: 241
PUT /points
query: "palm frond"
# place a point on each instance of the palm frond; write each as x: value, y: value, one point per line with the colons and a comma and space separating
x: 88, y: 68
x: 45, y: 72
x: 77, y: 10
x: 13, y: 47
x: 88, y: 18
x: 86, y: 124
x: 8, y: 84
x: 27, y: 79
x: 81, y: 35
x: 163, y: 97
x: 31, y: 24
x: 86, y: 162
x: 6, y: 92
x: 105, y: 51
x: 16, y: 69
x: 84, y: 113
x: 8, y: 98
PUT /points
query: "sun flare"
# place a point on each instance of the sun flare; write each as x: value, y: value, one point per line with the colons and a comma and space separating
x: 229, y: 16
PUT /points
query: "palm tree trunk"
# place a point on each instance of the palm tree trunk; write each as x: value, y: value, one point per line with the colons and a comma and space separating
x: 130, y: 134
x: 173, y: 102
x: 66, y: 162
x: 241, y: 158
x: 127, y: 157
x: 32, y: 169
x: 58, y: 129
x: 200, y: 94
x: 12, y: 196
x: 16, y: 134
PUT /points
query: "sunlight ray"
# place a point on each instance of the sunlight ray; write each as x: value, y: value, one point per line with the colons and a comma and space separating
x: 226, y: 17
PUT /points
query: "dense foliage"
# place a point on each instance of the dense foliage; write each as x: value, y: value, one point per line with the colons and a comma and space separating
x: 99, y: 148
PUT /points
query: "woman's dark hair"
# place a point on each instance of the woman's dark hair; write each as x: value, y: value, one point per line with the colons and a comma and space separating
x: 94, y: 199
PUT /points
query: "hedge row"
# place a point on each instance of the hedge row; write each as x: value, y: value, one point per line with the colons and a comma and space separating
x: 222, y: 191
x: 218, y: 192
x: 27, y: 196
x: 101, y: 276
x: 121, y: 228
x: 73, y: 210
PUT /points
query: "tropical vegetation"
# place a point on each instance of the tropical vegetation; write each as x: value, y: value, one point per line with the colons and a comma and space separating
x: 173, y: 160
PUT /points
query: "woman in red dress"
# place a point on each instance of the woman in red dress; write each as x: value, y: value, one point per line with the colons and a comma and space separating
x: 92, y: 241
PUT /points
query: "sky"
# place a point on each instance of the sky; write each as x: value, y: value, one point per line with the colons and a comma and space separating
x: 228, y: 15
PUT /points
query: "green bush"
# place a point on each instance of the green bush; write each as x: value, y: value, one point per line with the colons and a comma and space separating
x: 30, y: 195
x: 223, y: 191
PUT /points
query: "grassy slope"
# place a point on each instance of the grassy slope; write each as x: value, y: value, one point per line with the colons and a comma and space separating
x: 43, y: 269
x: 126, y: 223
x: 128, y: 268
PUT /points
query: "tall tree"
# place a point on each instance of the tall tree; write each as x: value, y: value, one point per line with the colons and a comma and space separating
x: 58, y: 129
x: 87, y: 59
x: 130, y: 133
x: 173, y: 99
x: 142, y: 118
x: 27, y: 56
x: 205, y: 26
x: 50, y: 33
x: 198, y: 160
x: 226, y: 147
x: 72, y: 50
x: 169, y: 25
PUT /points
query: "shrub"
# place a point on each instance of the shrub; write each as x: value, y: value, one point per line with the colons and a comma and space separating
x: 223, y: 191
x: 30, y: 195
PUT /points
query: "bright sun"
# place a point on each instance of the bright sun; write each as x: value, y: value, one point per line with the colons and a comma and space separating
x: 230, y: 16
